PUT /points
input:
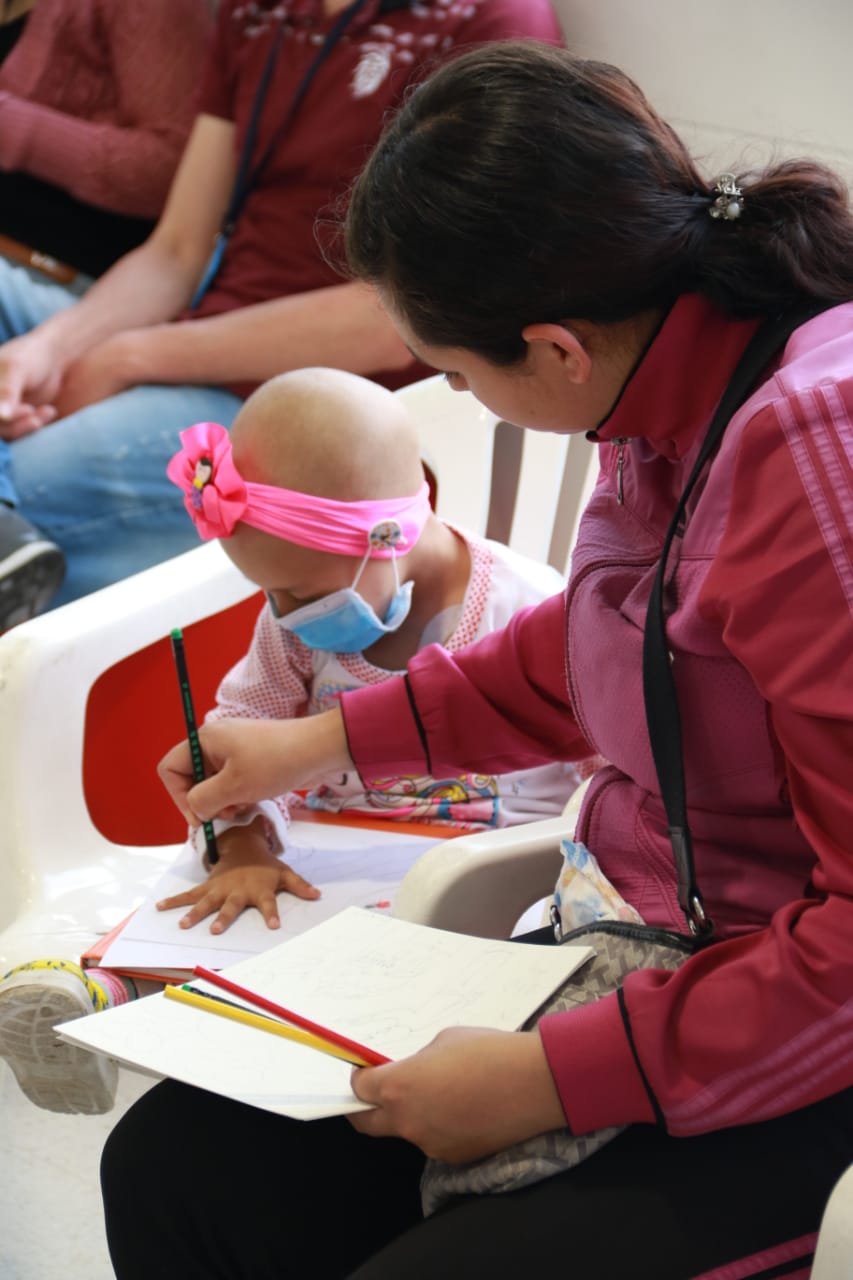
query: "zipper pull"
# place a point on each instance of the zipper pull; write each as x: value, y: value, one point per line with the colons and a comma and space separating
x: 620, y: 441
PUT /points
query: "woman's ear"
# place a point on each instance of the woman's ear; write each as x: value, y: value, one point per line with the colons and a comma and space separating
x: 554, y: 342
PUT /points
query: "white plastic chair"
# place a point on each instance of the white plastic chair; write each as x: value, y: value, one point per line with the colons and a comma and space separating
x: 524, y: 488
x: 833, y: 1258
x: 62, y: 880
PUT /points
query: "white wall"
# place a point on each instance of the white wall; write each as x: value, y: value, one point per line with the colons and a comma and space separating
x: 742, y: 81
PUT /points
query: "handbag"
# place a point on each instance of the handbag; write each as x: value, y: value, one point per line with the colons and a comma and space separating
x: 621, y: 948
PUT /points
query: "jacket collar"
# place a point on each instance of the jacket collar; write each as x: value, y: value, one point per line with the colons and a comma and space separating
x: 672, y: 393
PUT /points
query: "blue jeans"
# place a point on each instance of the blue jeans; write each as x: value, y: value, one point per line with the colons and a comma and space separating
x: 95, y: 482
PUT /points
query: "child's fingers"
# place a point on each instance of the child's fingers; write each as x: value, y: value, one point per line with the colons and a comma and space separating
x: 182, y: 899
x: 203, y: 908
x: 233, y: 906
x: 267, y: 904
x: 205, y: 899
x: 201, y: 901
x: 296, y: 884
x: 236, y: 903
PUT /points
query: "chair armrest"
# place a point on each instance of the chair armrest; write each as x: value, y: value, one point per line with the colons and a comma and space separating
x: 481, y: 883
x: 833, y: 1258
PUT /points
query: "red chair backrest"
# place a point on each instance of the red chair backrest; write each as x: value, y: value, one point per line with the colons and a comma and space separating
x: 133, y: 716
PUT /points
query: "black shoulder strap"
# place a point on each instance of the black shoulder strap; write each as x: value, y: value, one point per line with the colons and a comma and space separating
x: 659, y: 692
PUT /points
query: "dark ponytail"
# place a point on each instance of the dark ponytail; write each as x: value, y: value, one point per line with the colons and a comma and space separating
x: 794, y: 242
x: 522, y: 184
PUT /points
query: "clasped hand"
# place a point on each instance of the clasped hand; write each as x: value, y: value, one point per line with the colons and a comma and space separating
x: 30, y: 375
x: 37, y: 385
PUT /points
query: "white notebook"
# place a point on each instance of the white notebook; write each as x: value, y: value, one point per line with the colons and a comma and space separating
x: 352, y: 866
x: 386, y: 983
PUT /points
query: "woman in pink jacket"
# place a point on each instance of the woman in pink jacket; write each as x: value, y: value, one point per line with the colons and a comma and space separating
x: 538, y: 233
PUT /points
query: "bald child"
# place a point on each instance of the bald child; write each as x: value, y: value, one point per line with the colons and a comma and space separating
x: 319, y: 497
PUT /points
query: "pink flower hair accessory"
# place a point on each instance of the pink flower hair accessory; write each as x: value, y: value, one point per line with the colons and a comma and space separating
x: 215, y: 494
x: 217, y: 497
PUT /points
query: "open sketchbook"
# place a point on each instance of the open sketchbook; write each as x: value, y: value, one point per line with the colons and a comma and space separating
x: 351, y: 865
x: 386, y: 983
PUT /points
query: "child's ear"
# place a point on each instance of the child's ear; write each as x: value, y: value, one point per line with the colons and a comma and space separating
x: 555, y: 342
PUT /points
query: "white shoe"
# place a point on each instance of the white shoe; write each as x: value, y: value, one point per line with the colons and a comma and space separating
x: 52, y: 1073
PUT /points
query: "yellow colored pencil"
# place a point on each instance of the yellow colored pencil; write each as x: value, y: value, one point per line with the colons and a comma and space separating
x: 225, y: 1009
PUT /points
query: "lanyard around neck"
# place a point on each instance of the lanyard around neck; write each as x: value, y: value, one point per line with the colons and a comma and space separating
x: 248, y: 174
x: 661, y: 699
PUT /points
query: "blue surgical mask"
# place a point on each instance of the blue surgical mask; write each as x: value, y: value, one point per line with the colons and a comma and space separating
x: 344, y: 622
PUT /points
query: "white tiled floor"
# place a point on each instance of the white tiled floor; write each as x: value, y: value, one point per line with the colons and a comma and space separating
x: 50, y: 1204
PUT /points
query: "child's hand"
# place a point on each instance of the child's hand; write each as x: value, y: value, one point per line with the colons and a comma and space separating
x: 246, y: 875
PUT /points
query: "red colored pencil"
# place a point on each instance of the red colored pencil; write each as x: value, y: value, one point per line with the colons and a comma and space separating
x: 262, y: 1002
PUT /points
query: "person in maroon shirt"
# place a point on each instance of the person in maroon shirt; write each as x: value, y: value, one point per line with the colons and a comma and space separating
x: 118, y: 374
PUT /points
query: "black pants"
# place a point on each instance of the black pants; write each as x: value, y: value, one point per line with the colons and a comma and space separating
x: 198, y: 1186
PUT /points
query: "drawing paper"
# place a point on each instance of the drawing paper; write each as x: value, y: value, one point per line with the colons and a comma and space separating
x: 386, y: 983
x: 352, y: 866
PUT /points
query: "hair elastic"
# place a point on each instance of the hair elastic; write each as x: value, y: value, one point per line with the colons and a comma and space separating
x: 217, y: 498
x: 728, y: 202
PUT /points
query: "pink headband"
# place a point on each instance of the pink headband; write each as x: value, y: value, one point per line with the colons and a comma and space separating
x: 217, y: 497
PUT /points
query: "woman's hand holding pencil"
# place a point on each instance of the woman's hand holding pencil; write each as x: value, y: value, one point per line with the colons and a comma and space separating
x: 251, y: 760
